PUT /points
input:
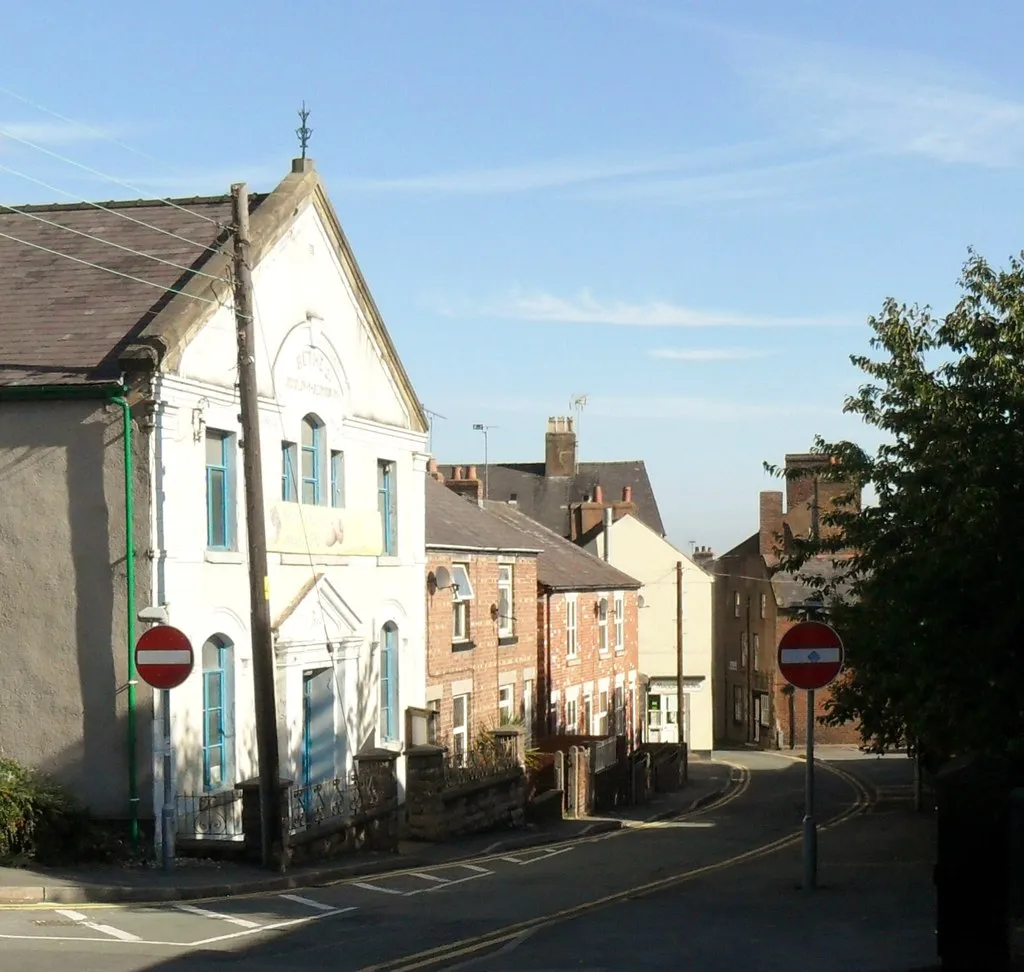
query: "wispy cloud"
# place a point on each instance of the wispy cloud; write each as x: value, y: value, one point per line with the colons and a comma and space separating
x: 709, y: 354
x: 705, y: 174
x: 659, y: 408
x: 53, y: 133
x: 887, y: 102
x: 587, y: 309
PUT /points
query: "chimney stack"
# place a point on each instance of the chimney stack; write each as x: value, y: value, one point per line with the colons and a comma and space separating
x: 627, y: 494
x: 702, y: 556
x: 598, y: 494
x: 559, y: 448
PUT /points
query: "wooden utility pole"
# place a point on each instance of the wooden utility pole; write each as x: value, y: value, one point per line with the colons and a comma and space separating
x: 679, y: 649
x: 271, y: 811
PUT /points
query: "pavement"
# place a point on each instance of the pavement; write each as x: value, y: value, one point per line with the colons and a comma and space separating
x: 706, y: 888
x: 194, y: 879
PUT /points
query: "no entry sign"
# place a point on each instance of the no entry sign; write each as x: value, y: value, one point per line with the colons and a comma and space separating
x: 163, y: 657
x: 810, y: 655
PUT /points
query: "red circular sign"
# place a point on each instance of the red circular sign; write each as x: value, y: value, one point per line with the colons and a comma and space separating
x: 811, y: 655
x: 164, y: 657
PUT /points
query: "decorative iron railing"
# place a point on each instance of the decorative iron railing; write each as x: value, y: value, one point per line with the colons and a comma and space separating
x: 209, y: 815
x: 318, y: 803
x: 478, y: 768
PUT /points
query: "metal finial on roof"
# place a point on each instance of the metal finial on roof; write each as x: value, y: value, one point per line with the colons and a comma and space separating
x: 303, y: 131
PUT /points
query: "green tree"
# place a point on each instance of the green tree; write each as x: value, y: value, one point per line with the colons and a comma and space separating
x: 932, y: 602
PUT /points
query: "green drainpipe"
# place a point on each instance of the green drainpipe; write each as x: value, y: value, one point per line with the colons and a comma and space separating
x: 113, y: 393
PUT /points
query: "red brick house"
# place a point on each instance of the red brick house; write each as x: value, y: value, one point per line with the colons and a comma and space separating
x: 482, y: 645
x: 587, y: 635
x: 806, y: 499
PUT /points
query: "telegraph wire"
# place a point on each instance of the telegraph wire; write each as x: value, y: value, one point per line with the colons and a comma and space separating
x: 116, y: 273
x: 4, y: 133
x: 108, y: 209
x: 117, y: 246
x: 99, y: 133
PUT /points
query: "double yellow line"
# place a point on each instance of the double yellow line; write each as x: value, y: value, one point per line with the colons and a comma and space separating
x: 500, y: 936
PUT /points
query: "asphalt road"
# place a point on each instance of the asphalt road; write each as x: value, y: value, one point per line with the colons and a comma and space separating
x: 493, y: 913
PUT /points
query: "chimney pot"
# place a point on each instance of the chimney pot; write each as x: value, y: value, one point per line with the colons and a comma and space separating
x: 627, y: 494
x: 598, y: 494
x: 472, y: 473
x: 459, y: 472
x: 432, y: 465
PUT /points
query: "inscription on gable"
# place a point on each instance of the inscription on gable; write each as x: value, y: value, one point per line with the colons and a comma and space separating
x: 311, y: 373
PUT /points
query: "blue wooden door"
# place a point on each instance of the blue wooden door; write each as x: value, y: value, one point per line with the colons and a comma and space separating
x: 317, y: 726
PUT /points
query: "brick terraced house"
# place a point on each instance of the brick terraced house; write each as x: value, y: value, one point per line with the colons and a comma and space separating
x: 481, y: 618
x: 587, y: 636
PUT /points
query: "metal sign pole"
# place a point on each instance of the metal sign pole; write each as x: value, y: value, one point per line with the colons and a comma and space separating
x: 810, y: 842
x: 167, y: 817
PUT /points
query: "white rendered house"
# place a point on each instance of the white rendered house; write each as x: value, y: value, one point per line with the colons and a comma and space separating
x: 343, y: 441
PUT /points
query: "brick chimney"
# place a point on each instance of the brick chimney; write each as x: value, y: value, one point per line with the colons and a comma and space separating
x: 433, y: 472
x: 702, y: 556
x: 770, y: 523
x: 559, y: 448
x: 467, y: 484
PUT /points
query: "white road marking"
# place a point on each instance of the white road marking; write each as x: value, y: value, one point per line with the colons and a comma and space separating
x: 374, y: 887
x: 308, y: 902
x: 511, y: 860
x: 83, y: 920
x: 249, y: 932
x: 206, y: 913
x: 475, y: 867
x: 430, y: 877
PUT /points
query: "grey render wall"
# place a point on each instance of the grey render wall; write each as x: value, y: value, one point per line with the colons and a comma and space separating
x: 63, y: 611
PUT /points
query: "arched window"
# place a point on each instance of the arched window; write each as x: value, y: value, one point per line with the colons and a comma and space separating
x: 218, y: 713
x: 389, y: 682
x: 312, y: 460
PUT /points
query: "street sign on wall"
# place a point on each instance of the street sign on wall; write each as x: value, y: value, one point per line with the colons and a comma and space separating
x: 164, y: 657
x: 811, y: 655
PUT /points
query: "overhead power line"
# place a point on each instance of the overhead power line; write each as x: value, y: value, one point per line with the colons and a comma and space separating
x: 103, y: 175
x: 108, y: 209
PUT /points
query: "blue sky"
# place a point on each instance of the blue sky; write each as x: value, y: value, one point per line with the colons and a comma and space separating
x: 684, y: 211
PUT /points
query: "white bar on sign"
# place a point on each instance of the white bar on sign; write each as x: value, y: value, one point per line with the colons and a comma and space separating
x: 166, y: 656
x: 801, y: 656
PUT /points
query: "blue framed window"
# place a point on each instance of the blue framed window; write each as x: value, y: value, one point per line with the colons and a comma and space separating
x: 312, y: 460
x: 389, y: 682
x: 337, y: 478
x: 288, y: 491
x: 220, y: 491
x: 386, y: 490
x: 218, y: 713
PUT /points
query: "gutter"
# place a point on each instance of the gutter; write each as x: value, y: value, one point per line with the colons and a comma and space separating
x: 113, y: 393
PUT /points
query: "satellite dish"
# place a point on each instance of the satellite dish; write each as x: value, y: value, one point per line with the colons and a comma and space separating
x: 442, y: 577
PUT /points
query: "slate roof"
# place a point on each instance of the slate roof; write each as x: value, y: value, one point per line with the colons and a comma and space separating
x: 64, y: 322
x: 456, y: 522
x: 790, y: 590
x: 562, y: 566
x: 547, y: 499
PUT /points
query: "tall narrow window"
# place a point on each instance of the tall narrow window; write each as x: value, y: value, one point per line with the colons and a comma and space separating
x: 217, y: 713
x: 735, y: 604
x: 219, y: 490
x: 389, y: 682
x: 755, y: 651
x: 460, y: 727
x: 312, y: 460
x: 288, y: 490
x: 620, y: 620
x: 462, y: 594
x: 506, y: 702
x: 506, y: 602
x: 602, y: 624
x: 571, y: 643
x: 764, y: 606
x: 337, y: 478
x: 386, y: 504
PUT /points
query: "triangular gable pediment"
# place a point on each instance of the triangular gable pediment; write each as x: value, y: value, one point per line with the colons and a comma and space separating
x: 163, y: 341
x: 319, y: 613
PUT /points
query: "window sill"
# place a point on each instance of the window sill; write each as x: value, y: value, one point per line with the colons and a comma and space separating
x: 223, y: 557
x: 572, y: 661
x: 604, y: 654
x: 620, y: 651
x: 463, y: 645
x: 508, y: 640
x: 388, y: 560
